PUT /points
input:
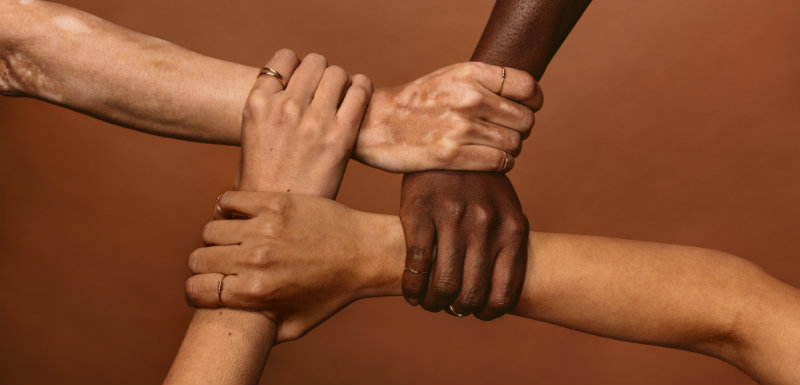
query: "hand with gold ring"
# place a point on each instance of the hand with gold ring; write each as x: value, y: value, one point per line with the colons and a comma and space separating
x: 299, y: 138
x: 468, y: 116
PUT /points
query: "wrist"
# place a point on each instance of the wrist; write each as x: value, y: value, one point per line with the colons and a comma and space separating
x: 381, y: 256
x: 372, y: 135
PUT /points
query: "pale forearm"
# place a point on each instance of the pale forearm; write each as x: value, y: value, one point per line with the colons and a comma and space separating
x: 68, y: 57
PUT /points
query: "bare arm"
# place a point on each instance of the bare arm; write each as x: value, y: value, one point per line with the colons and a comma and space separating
x: 677, y: 296
x: 79, y: 61
x: 314, y: 140
x: 481, y: 232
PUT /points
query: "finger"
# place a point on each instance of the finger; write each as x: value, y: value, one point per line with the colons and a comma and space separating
x: 507, y: 113
x: 246, y: 203
x: 478, y: 266
x: 306, y: 78
x: 507, y: 279
x: 331, y: 90
x: 204, y: 290
x: 445, y: 283
x: 501, y: 138
x: 214, y: 259
x: 473, y: 157
x: 225, y: 232
x: 420, y: 236
x: 514, y: 84
x: 285, y: 61
x: 355, y: 101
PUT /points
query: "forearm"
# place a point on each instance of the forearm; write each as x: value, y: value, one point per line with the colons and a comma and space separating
x: 68, y: 57
x: 677, y: 296
x: 223, y: 346
x: 525, y: 34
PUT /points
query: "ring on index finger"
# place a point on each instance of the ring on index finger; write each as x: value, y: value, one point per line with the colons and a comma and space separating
x: 414, y: 271
x: 502, y: 79
x: 277, y: 75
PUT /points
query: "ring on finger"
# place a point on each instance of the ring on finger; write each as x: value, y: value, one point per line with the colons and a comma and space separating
x: 452, y: 311
x: 277, y: 75
x: 502, y: 79
x: 220, y: 285
x: 218, y: 208
x: 414, y: 271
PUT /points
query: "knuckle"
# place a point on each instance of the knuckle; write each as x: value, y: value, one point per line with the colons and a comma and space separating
x: 516, y: 225
x: 527, y: 84
x: 455, y: 209
x: 256, y: 106
x: 195, y: 261
x: 471, y: 100
x: 209, y: 230
x: 192, y: 291
x: 316, y: 58
x: 288, y: 110
x: 287, y: 53
x: 362, y: 81
x: 499, y: 304
x: 413, y: 287
x: 446, y: 287
x: 481, y: 215
x: 514, y: 143
x: 257, y: 291
x: 261, y: 257
x: 471, y: 301
x: 280, y: 204
x: 336, y: 72
x: 418, y: 253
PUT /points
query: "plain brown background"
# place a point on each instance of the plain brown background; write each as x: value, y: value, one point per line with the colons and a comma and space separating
x: 669, y: 121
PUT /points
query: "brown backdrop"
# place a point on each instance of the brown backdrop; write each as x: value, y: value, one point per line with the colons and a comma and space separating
x: 671, y: 121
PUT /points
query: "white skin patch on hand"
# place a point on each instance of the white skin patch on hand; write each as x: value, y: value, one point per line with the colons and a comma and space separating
x: 69, y: 23
x: 23, y: 2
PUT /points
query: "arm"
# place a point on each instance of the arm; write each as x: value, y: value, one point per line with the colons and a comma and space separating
x: 68, y: 57
x: 481, y: 232
x: 314, y: 139
x: 676, y: 296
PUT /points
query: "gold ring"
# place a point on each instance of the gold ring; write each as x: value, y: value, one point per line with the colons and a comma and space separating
x: 219, y: 209
x: 277, y: 75
x: 452, y: 311
x: 220, y: 285
x: 412, y: 271
x: 502, y: 80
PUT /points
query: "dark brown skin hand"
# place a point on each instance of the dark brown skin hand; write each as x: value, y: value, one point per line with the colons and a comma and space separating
x: 471, y: 218
x: 483, y: 275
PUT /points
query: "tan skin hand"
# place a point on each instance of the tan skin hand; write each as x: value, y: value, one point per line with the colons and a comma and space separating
x: 297, y: 140
x: 719, y: 305
x: 297, y: 225
x: 450, y: 119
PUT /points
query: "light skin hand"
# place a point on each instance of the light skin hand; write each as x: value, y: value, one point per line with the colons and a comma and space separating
x: 282, y: 225
x: 455, y: 118
x: 167, y: 90
x: 719, y: 305
x: 320, y: 109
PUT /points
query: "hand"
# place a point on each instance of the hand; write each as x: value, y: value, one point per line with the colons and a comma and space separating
x: 300, y: 139
x: 474, y: 221
x: 451, y: 119
x: 298, y: 259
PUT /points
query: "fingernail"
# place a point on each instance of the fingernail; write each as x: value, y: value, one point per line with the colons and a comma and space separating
x: 412, y: 301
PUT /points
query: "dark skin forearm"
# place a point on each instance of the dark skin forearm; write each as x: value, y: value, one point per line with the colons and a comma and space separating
x: 526, y: 34
x: 480, y: 246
